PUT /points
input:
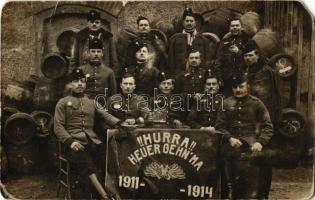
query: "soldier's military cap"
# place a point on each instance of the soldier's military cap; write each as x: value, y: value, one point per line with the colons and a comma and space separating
x: 238, y: 79
x: 210, y: 74
x: 93, y: 15
x: 251, y: 45
x: 163, y: 76
x: 138, y: 44
x: 76, y: 74
x: 188, y: 12
x: 95, y: 43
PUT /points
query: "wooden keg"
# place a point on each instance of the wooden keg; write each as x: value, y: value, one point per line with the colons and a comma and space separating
x: 268, y: 42
x: 54, y: 65
x: 42, y: 120
x: 283, y: 64
x: 291, y: 123
x: 251, y: 23
x: 20, y: 128
x: 6, y: 112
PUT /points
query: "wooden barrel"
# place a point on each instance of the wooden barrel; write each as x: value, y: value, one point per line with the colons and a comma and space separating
x: 42, y: 120
x: 23, y: 159
x: 20, y: 128
x: 6, y: 113
x: 283, y: 64
x: 251, y: 23
x: 268, y: 42
x: 54, y: 66
x: 291, y: 123
x: 217, y: 20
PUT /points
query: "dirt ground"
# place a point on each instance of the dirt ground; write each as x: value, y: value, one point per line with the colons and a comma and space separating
x: 286, y: 184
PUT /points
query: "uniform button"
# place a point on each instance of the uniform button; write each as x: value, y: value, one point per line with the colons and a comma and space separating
x: 240, y: 108
x: 239, y: 122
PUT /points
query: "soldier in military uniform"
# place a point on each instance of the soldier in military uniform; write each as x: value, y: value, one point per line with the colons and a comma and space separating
x: 261, y: 78
x: 169, y: 107
x: 229, y: 59
x: 73, y: 125
x: 182, y: 43
x: 204, y: 110
x: 92, y: 31
x: 191, y: 81
x: 99, y: 76
x: 245, y: 124
x: 128, y: 106
x: 144, y: 71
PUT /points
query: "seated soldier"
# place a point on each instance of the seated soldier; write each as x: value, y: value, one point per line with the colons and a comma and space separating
x: 203, y: 113
x: 245, y: 124
x: 169, y: 107
x: 128, y: 106
x: 73, y: 125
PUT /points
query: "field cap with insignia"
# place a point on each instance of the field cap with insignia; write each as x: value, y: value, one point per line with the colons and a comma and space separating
x: 93, y: 15
x: 76, y: 74
x: 163, y: 76
x: 238, y: 79
x: 95, y: 43
x: 251, y: 45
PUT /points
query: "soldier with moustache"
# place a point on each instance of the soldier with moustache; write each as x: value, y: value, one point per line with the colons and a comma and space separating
x: 94, y: 30
x: 143, y: 69
x: 99, y: 76
x: 246, y: 127
x: 74, y: 119
x: 128, y: 106
x: 181, y: 44
x: 204, y: 110
x: 229, y: 58
x: 170, y: 106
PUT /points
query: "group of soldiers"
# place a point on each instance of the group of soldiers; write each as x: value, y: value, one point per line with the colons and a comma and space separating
x: 187, y: 84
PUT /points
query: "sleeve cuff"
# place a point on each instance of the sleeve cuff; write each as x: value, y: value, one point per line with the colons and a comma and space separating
x: 68, y: 142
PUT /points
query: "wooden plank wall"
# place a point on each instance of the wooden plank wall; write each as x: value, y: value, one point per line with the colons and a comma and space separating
x: 295, y: 26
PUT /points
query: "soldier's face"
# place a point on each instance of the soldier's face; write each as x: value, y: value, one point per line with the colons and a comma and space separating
x: 235, y: 27
x: 167, y: 86
x: 144, y: 26
x: 78, y: 86
x: 142, y: 54
x: 189, y: 23
x: 251, y: 57
x: 94, y: 25
x: 128, y: 85
x: 96, y: 55
x: 194, y: 59
x: 212, y: 85
x: 241, y: 90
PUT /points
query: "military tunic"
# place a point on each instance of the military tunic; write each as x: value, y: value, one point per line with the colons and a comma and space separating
x: 125, y: 107
x: 99, y: 78
x: 246, y: 119
x: 146, y: 78
x: 204, y: 111
x: 191, y: 82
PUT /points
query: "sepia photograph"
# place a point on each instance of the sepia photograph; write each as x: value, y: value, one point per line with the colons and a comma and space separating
x: 157, y: 99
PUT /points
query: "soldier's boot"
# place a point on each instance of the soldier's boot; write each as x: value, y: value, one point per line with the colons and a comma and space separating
x: 98, y: 186
x: 231, y: 182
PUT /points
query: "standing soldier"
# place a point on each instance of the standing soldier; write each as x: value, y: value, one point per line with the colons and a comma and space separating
x: 92, y: 31
x: 99, y: 76
x: 182, y: 43
x: 245, y: 124
x: 229, y: 59
x: 191, y: 80
x: 127, y: 106
x: 261, y: 78
x: 144, y: 70
x: 73, y: 125
x: 204, y: 110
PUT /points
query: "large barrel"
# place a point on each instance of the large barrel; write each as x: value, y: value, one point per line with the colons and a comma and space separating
x: 54, y: 65
x: 217, y: 20
x: 251, y: 23
x: 283, y: 64
x: 6, y: 112
x: 20, y: 128
x: 291, y: 123
x: 268, y: 42
x: 42, y: 120
x: 23, y: 159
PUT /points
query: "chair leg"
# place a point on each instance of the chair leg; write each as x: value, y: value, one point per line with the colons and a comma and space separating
x: 68, y: 181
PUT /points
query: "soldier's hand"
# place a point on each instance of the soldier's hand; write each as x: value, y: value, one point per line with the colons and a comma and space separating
x: 235, y: 142
x: 256, y: 147
x: 130, y: 121
x: 76, y: 146
x: 177, y: 123
x: 234, y: 49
